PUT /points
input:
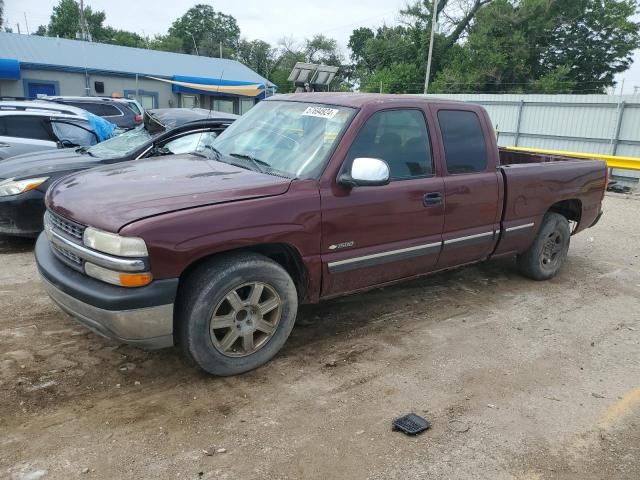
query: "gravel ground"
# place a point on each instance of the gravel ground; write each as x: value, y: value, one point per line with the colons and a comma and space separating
x: 521, y: 380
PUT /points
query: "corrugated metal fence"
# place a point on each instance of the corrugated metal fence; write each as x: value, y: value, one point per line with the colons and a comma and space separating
x: 602, y: 124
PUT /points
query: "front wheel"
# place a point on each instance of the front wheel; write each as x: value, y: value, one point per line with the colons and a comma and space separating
x: 235, y: 313
x: 547, y: 253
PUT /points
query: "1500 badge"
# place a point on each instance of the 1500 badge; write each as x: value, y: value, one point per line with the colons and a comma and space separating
x: 337, y: 246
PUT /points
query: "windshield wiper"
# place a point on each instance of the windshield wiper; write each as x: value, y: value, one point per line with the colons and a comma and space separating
x: 84, y: 151
x: 259, y: 165
x: 200, y: 153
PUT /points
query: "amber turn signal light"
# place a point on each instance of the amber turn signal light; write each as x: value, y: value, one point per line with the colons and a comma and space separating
x: 135, y: 279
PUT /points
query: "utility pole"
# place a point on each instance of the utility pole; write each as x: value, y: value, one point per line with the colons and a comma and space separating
x: 83, y: 24
x: 220, y: 49
x: 434, y: 22
x: 635, y: 89
x: 26, y: 22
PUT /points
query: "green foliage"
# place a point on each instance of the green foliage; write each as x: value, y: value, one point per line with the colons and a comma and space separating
x: 257, y: 55
x: 542, y: 46
x: 208, y: 29
x: 397, y: 78
x: 166, y: 43
x: 124, y: 38
x: 65, y: 22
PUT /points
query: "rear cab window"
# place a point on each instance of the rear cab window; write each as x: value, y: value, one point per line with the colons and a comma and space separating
x: 464, y: 143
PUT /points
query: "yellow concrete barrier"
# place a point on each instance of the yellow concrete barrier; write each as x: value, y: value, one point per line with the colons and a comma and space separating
x: 613, y: 161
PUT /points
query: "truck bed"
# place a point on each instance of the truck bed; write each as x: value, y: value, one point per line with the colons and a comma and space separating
x: 513, y: 157
x: 535, y: 181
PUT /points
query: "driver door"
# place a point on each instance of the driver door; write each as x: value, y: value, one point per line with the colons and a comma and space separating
x: 377, y: 234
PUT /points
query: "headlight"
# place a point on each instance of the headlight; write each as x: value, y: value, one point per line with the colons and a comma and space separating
x: 14, y: 187
x: 114, y: 244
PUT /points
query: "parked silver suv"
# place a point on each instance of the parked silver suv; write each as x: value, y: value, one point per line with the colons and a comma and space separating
x: 34, y: 125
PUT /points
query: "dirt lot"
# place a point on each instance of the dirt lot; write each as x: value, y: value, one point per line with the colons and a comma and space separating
x: 520, y: 380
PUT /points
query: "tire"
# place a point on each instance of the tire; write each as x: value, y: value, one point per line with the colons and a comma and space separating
x: 243, y: 294
x: 546, y: 255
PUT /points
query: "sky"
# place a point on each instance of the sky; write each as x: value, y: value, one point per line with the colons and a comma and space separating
x: 266, y: 20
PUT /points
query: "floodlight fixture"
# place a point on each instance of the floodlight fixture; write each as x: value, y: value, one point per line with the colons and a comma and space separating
x: 310, y: 77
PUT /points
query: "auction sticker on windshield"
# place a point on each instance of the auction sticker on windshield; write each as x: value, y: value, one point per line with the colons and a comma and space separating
x: 321, y: 112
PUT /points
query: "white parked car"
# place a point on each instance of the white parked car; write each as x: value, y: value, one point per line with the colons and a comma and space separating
x: 32, y: 125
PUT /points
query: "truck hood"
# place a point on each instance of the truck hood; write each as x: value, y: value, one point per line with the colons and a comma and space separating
x: 113, y: 196
x: 45, y: 163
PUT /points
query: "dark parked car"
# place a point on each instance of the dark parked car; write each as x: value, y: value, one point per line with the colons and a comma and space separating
x: 307, y: 197
x: 24, y: 179
x: 116, y: 110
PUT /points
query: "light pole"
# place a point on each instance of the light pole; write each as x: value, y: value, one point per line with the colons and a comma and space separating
x: 434, y: 22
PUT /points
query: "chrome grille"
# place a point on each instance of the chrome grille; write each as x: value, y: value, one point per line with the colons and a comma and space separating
x: 71, y: 229
x: 69, y: 256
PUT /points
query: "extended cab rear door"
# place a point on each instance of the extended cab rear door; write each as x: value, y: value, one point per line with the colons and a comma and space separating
x: 472, y: 184
x: 376, y: 234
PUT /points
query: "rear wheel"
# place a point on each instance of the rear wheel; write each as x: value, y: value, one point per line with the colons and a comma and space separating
x: 235, y: 313
x: 546, y: 255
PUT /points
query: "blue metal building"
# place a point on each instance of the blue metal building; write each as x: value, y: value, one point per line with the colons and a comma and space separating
x: 31, y: 65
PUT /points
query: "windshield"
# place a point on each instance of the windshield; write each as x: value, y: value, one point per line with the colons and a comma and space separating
x: 292, y: 139
x: 121, y: 145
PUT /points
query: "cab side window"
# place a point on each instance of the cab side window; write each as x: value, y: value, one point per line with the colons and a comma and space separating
x: 464, y: 145
x: 400, y: 138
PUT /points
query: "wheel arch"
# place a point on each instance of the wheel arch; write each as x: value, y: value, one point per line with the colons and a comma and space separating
x: 286, y: 255
x: 571, y: 209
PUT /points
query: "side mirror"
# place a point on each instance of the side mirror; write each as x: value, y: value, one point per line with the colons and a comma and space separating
x: 366, y: 172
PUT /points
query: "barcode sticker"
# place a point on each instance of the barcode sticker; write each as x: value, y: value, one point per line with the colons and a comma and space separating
x: 321, y: 112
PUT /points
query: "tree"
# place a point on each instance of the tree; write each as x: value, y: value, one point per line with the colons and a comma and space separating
x: 207, y: 29
x: 65, y: 21
x: 379, y: 56
x: 166, y: 43
x: 398, y: 78
x: 1, y: 13
x: 124, y: 38
x: 257, y: 55
x: 402, y: 49
x: 541, y: 46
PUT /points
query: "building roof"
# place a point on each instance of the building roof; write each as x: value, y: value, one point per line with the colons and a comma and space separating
x: 52, y: 52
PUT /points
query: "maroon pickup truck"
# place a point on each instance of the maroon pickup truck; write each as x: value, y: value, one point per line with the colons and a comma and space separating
x: 305, y: 198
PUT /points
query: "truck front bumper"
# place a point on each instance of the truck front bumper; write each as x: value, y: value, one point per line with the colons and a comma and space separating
x: 142, y: 317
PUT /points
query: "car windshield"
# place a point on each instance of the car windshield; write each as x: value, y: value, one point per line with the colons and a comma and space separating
x: 121, y: 145
x: 292, y: 139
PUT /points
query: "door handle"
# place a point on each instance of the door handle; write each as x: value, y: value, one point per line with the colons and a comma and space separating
x: 432, y: 199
